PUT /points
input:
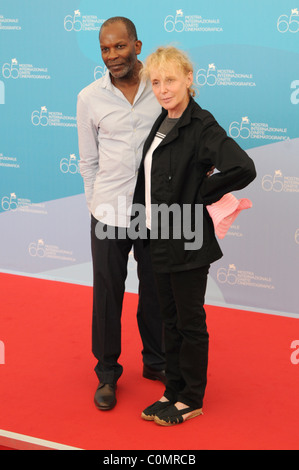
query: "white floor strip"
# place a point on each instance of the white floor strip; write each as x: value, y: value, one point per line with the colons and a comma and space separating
x: 23, y: 442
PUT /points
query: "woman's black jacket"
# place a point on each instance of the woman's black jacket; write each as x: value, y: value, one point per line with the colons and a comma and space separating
x: 179, y: 176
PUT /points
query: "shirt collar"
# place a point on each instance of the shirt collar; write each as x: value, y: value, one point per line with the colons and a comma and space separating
x: 108, y: 85
x: 106, y: 81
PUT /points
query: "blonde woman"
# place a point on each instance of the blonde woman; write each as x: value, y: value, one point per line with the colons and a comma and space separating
x: 184, y: 143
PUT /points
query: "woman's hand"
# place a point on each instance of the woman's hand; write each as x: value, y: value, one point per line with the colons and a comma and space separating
x: 211, y: 171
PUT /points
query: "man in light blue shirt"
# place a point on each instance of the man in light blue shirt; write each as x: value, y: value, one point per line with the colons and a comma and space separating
x: 114, y: 116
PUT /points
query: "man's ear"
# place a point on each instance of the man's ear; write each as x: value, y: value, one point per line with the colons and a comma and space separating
x: 138, y: 46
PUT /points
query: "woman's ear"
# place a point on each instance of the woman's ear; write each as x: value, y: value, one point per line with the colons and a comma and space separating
x: 189, y: 79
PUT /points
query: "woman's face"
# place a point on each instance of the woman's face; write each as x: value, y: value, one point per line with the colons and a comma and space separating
x: 171, y: 89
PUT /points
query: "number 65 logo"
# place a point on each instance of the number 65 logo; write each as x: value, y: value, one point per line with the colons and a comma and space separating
x: 37, y: 249
x: 71, y: 23
x: 40, y: 117
x: 206, y: 77
x: 239, y: 129
x: 289, y: 23
x: 172, y: 23
x: 227, y: 275
x: 11, y: 70
x: 273, y: 183
x: 69, y: 165
x: 99, y: 72
x: 9, y: 203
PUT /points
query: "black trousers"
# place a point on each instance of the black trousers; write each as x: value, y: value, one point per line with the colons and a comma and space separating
x: 182, y: 296
x: 110, y: 259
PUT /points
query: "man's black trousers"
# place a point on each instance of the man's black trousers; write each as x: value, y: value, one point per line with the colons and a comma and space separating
x: 110, y: 260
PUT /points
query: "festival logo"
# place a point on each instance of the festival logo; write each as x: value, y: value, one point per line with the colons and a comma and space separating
x: 78, y: 22
x: 212, y: 76
x: 69, y: 165
x: 14, y: 203
x: 246, y: 129
x: 232, y: 276
x: 277, y: 182
x: 289, y: 23
x: 40, y: 249
x: 14, y: 69
x: 44, y: 117
x: 190, y: 23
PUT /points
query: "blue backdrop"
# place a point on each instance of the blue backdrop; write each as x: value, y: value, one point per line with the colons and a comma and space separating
x: 246, y: 62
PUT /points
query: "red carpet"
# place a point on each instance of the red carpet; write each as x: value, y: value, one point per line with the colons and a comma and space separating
x: 47, y: 381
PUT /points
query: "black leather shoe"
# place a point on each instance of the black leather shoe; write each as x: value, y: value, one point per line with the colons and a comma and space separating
x: 104, y: 397
x: 153, y: 374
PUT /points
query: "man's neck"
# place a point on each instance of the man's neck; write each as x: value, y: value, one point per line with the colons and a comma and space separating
x: 129, y: 84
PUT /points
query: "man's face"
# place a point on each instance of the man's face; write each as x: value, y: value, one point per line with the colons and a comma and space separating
x: 119, y: 51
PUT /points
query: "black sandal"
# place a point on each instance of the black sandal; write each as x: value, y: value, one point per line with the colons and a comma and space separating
x: 150, y: 412
x: 171, y: 415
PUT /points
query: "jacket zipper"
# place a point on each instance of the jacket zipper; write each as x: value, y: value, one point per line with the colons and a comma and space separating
x: 170, y: 169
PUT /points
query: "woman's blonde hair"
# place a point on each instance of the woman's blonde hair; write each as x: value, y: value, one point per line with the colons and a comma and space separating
x: 163, y: 58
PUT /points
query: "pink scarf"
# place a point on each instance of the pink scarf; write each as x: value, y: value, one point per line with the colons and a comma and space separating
x: 225, y: 211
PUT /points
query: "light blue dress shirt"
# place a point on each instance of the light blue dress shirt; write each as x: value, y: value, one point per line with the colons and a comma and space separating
x: 111, y: 134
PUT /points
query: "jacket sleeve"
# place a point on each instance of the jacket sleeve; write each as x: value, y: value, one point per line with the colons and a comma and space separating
x: 235, y: 168
x: 88, y: 148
